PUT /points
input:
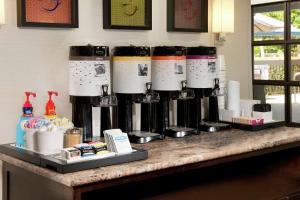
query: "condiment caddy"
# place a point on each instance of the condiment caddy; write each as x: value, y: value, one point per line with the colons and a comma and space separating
x: 82, y: 156
x: 57, y: 164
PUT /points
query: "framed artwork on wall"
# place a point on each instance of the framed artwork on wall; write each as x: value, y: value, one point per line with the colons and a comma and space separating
x: 48, y: 13
x: 127, y: 14
x: 187, y: 15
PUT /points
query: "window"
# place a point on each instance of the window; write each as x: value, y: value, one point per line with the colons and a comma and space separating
x: 276, y: 58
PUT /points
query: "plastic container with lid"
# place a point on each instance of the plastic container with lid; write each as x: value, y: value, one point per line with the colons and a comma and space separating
x: 72, y: 137
x: 131, y: 69
x: 201, y: 67
x: 168, y: 68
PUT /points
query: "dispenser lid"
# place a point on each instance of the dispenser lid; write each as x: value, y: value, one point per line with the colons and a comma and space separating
x: 169, y: 51
x: 132, y: 51
x: 89, y: 51
x: 201, y: 50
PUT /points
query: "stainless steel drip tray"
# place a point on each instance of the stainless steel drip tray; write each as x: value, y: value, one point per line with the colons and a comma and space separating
x: 179, y: 132
x: 142, y: 137
x: 214, y: 126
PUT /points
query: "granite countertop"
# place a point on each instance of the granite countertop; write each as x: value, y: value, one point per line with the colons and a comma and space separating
x: 174, y: 152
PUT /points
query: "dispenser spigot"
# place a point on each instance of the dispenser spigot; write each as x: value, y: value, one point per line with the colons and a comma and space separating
x: 107, y: 100
x: 105, y: 90
x: 185, y: 93
x: 150, y: 96
x: 217, y: 83
x: 183, y: 89
x: 148, y: 87
x: 183, y: 85
x: 216, y: 89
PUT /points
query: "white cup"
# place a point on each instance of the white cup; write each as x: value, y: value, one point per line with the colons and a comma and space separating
x: 50, y: 142
x: 30, y: 138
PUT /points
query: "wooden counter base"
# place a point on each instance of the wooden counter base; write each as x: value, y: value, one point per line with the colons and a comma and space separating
x: 272, y: 173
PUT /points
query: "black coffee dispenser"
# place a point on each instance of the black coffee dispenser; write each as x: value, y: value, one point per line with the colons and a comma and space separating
x: 132, y: 85
x: 202, y: 78
x: 89, y: 90
x: 169, y: 80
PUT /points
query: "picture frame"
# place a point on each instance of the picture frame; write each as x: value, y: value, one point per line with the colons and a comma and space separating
x: 132, y: 17
x: 49, y: 14
x: 187, y: 15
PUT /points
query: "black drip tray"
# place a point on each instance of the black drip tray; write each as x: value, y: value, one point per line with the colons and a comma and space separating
x: 53, y: 163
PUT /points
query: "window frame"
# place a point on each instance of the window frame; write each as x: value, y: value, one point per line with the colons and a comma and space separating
x: 287, y: 83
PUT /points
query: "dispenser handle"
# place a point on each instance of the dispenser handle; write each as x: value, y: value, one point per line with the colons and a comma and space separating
x: 216, y: 89
x: 217, y: 83
x: 149, y: 86
x: 105, y: 90
x: 183, y: 85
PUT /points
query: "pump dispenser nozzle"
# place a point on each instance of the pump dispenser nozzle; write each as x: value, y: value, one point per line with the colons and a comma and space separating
x: 27, y: 106
x: 50, y: 106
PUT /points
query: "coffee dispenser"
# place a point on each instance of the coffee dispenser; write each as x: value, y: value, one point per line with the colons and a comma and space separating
x: 202, y: 78
x: 169, y: 80
x: 89, y: 90
x: 133, y: 88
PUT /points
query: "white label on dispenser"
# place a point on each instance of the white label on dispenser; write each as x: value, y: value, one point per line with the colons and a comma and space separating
x: 168, y: 72
x: 87, y: 77
x: 130, y: 74
x: 201, y: 71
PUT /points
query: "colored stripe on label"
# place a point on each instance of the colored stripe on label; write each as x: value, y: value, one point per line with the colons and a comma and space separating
x: 168, y: 57
x: 201, y: 57
x: 131, y: 58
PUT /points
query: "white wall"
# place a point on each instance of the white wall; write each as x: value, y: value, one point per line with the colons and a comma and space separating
x: 37, y: 59
x: 237, y: 49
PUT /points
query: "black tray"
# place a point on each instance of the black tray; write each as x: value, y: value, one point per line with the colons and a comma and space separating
x: 60, y: 166
x: 254, y: 128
